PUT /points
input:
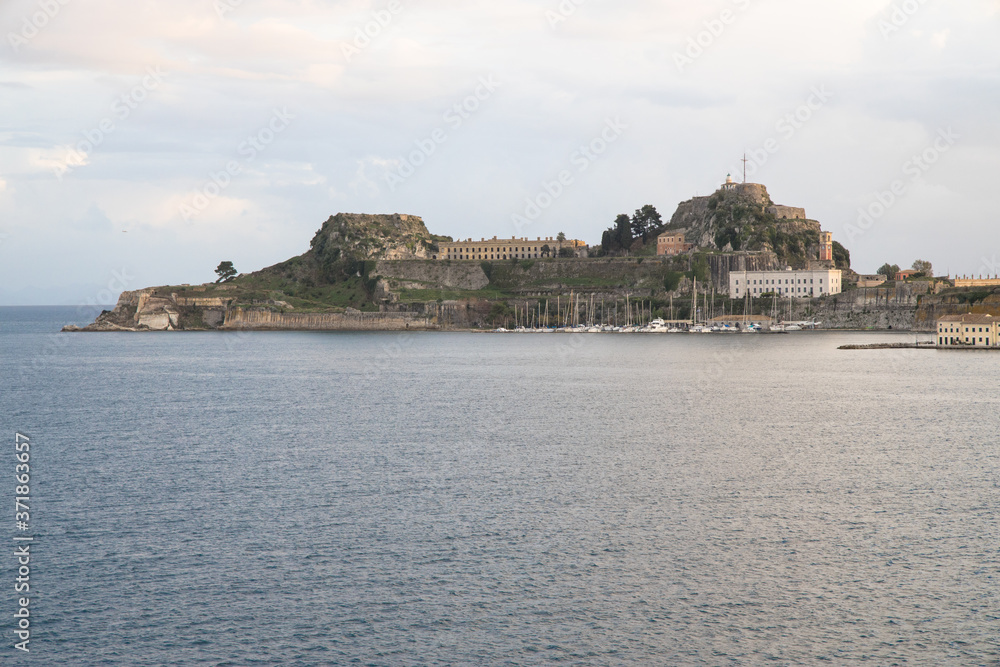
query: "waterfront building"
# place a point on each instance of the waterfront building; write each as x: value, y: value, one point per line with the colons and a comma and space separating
x: 799, y: 284
x: 669, y: 244
x: 969, y: 330
x: 512, y: 248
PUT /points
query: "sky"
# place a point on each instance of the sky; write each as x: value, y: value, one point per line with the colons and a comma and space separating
x: 142, y: 143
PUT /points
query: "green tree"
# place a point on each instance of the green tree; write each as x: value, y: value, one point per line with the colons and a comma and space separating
x: 226, y: 272
x: 561, y: 236
x: 841, y: 256
x: 546, y: 250
x: 888, y: 270
x: 645, y: 220
x: 623, y: 232
x: 924, y: 267
x: 672, y: 280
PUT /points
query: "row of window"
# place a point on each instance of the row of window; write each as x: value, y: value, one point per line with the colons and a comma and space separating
x: 785, y: 290
x: 942, y: 329
x: 497, y: 250
x: 788, y: 281
x: 513, y: 256
x: 955, y: 340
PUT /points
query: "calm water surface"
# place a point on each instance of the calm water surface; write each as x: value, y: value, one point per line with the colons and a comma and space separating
x: 462, y: 499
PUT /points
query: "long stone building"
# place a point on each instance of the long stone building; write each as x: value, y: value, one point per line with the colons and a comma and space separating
x: 512, y: 248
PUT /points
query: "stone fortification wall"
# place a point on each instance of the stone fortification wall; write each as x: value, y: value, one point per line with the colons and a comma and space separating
x: 447, y: 275
x: 787, y: 212
x: 936, y: 306
x: 608, y: 274
x: 866, y: 308
x: 755, y: 192
x: 266, y: 320
x: 202, y: 302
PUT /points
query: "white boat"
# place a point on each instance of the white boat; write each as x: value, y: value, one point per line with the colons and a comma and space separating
x: 657, y: 326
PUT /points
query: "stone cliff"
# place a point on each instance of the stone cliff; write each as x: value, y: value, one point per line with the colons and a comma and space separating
x: 362, y: 236
x: 742, y: 217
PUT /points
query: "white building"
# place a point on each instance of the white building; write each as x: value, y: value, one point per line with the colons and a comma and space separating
x: 798, y: 284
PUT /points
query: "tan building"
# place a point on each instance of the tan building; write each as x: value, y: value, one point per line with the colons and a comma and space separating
x: 512, y: 248
x: 966, y: 281
x: 672, y: 243
x: 970, y: 330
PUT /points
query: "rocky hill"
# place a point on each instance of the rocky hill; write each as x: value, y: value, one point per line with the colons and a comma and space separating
x: 336, y: 275
x: 738, y: 219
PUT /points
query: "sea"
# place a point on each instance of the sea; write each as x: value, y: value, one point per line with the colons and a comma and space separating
x: 498, y: 499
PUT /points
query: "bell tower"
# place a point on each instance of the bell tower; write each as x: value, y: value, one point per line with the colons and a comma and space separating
x: 826, y: 246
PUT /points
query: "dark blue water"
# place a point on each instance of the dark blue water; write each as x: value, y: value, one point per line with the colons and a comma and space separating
x: 439, y: 499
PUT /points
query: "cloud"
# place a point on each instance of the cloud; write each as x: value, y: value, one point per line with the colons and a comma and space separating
x: 559, y: 84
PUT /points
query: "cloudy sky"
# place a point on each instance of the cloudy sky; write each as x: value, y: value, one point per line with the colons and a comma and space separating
x: 143, y: 142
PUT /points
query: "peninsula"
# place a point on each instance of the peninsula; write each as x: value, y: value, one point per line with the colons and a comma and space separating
x: 388, y: 272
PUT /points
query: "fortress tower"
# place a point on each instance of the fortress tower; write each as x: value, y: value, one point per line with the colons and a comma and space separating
x: 826, y: 246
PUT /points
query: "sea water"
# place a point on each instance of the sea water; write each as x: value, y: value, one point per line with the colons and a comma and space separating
x: 477, y: 499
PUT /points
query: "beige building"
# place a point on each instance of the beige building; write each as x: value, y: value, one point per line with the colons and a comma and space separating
x: 966, y: 281
x: 669, y: 244
x: 512, y: 248
x: 970, y: 330
x: 798, y: 284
